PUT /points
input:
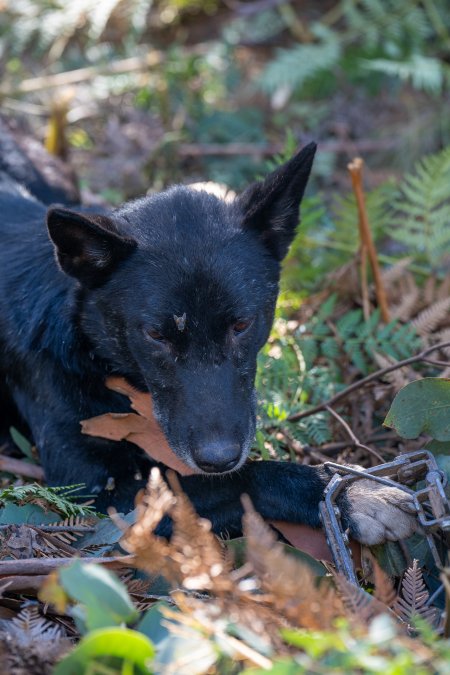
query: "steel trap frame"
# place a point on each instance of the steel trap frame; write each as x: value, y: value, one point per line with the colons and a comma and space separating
x: 406, y: 470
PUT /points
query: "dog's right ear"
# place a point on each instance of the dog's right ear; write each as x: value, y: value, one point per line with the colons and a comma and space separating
x: 88, y: 247
x: 271, y: 208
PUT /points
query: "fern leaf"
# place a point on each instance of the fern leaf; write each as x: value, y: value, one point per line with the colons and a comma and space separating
x: 358, y: 603
x: 392, y: 274
x: 423, y: 208
x: 29, y: 625
x: 431, y: 317
x: 412, y: 602
x: 293, y: 67
x: 408, y: 305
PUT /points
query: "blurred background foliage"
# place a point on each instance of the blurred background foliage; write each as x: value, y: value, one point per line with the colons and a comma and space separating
x: 180, y: 90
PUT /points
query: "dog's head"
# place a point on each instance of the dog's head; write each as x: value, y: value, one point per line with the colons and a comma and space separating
x: 178, y: 295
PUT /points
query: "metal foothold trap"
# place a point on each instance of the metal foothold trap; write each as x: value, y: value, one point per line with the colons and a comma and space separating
x: 406, y: 470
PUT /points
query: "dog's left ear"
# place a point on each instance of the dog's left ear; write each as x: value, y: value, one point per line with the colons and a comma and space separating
x: 271, y: 207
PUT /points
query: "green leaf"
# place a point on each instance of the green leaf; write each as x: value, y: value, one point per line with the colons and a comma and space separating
x: 32, y: 514
x: 151, y: 623
x: 113, y: 647
x: 422, y: 406
x: 22, y: 443
x: 105, y: 598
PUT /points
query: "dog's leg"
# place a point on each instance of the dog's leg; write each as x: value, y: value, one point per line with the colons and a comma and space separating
x: 284, y: 491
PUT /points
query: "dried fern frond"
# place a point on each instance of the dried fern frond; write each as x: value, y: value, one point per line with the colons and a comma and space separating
x: 444, y: 289
x: 392, y: 274
x: 408, y: 305
x: 360, y: 606
x: 431, y: 317
x: 193, y: 558
x: 413, y: 597
x: 29, y: 625
x: 384, y: 588
x: 152, y: 553
x: 292, y: 586
x: 443, y: 336
x: 196, y: 549
x: 31, y: 644
x: 72, y: 528
x: 398, y: 378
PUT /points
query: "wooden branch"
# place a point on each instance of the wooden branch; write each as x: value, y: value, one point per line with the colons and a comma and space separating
x: 21, y: 468
x: 41, y: 566
x: 355, y: 168
x: 132, y: 64
x: 366, y: 380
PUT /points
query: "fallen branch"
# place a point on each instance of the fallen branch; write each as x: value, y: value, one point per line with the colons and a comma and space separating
x: 21, y: 468
x: 43, y: 566
x: 366, y: 380
x: 355, y: 169
x: 132, y: 64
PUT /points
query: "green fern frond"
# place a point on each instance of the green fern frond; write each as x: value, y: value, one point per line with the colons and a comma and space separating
x: 292, y: 68
x: 60, y: 499
x: 425, y: 73
x: 422, y: 222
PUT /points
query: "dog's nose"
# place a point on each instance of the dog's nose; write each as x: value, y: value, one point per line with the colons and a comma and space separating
x: 217, y: 456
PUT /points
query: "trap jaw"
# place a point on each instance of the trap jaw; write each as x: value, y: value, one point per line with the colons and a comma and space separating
x: 430, y: 501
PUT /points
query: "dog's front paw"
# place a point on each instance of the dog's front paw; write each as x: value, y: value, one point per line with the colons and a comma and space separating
x: 377, y: 513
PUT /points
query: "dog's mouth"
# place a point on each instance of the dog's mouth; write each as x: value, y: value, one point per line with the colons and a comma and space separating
x: 217, y: 456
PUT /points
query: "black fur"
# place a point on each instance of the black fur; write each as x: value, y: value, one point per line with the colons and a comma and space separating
x: 97, y: 295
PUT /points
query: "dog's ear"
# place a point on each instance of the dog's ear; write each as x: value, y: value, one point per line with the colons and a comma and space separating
x: 271, y: 207
x: 88, y: 247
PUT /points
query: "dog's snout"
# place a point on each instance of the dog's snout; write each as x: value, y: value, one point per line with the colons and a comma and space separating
x: 217, y: 456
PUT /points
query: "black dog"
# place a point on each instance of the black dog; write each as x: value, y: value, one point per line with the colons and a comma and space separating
x: 175, y: 292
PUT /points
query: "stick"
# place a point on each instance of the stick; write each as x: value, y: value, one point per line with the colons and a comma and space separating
x: 134, y: 63
x: 370, y: 378
x: 357, y: 443
x: 21, y: 468
x: 355, y: 169
x: 40, y: 566
x: 256, y: 149
x: 364, y: 284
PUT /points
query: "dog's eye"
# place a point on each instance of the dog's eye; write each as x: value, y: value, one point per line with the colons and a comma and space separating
x: 155, y: 335
x: 241, y: 326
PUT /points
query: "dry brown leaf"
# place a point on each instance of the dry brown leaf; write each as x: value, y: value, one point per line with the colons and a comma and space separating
x: 142, y: 429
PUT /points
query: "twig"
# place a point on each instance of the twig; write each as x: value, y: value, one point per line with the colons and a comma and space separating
x: 21, y: 468
x: 256, y: 149
x: 135, y: 63
x: 370, y: 378
x: 355, y: 169
x: 357, y: 443
x: 41, y: 566
x: 300, y: 449
x: 364, y: 284
x: 433, y: 362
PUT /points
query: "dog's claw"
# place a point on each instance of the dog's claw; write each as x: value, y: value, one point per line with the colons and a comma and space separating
x: 378, y: 513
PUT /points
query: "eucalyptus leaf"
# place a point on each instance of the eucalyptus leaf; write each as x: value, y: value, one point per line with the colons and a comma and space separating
x: 112, y: 648
x: 22, y: 443
x: 105, y: 598
x: 422, y: 406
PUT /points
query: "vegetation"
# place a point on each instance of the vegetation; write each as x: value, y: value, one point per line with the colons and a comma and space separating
x: 136, y: 95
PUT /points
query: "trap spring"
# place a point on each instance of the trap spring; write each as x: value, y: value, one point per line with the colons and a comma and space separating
x: 406, y: 470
